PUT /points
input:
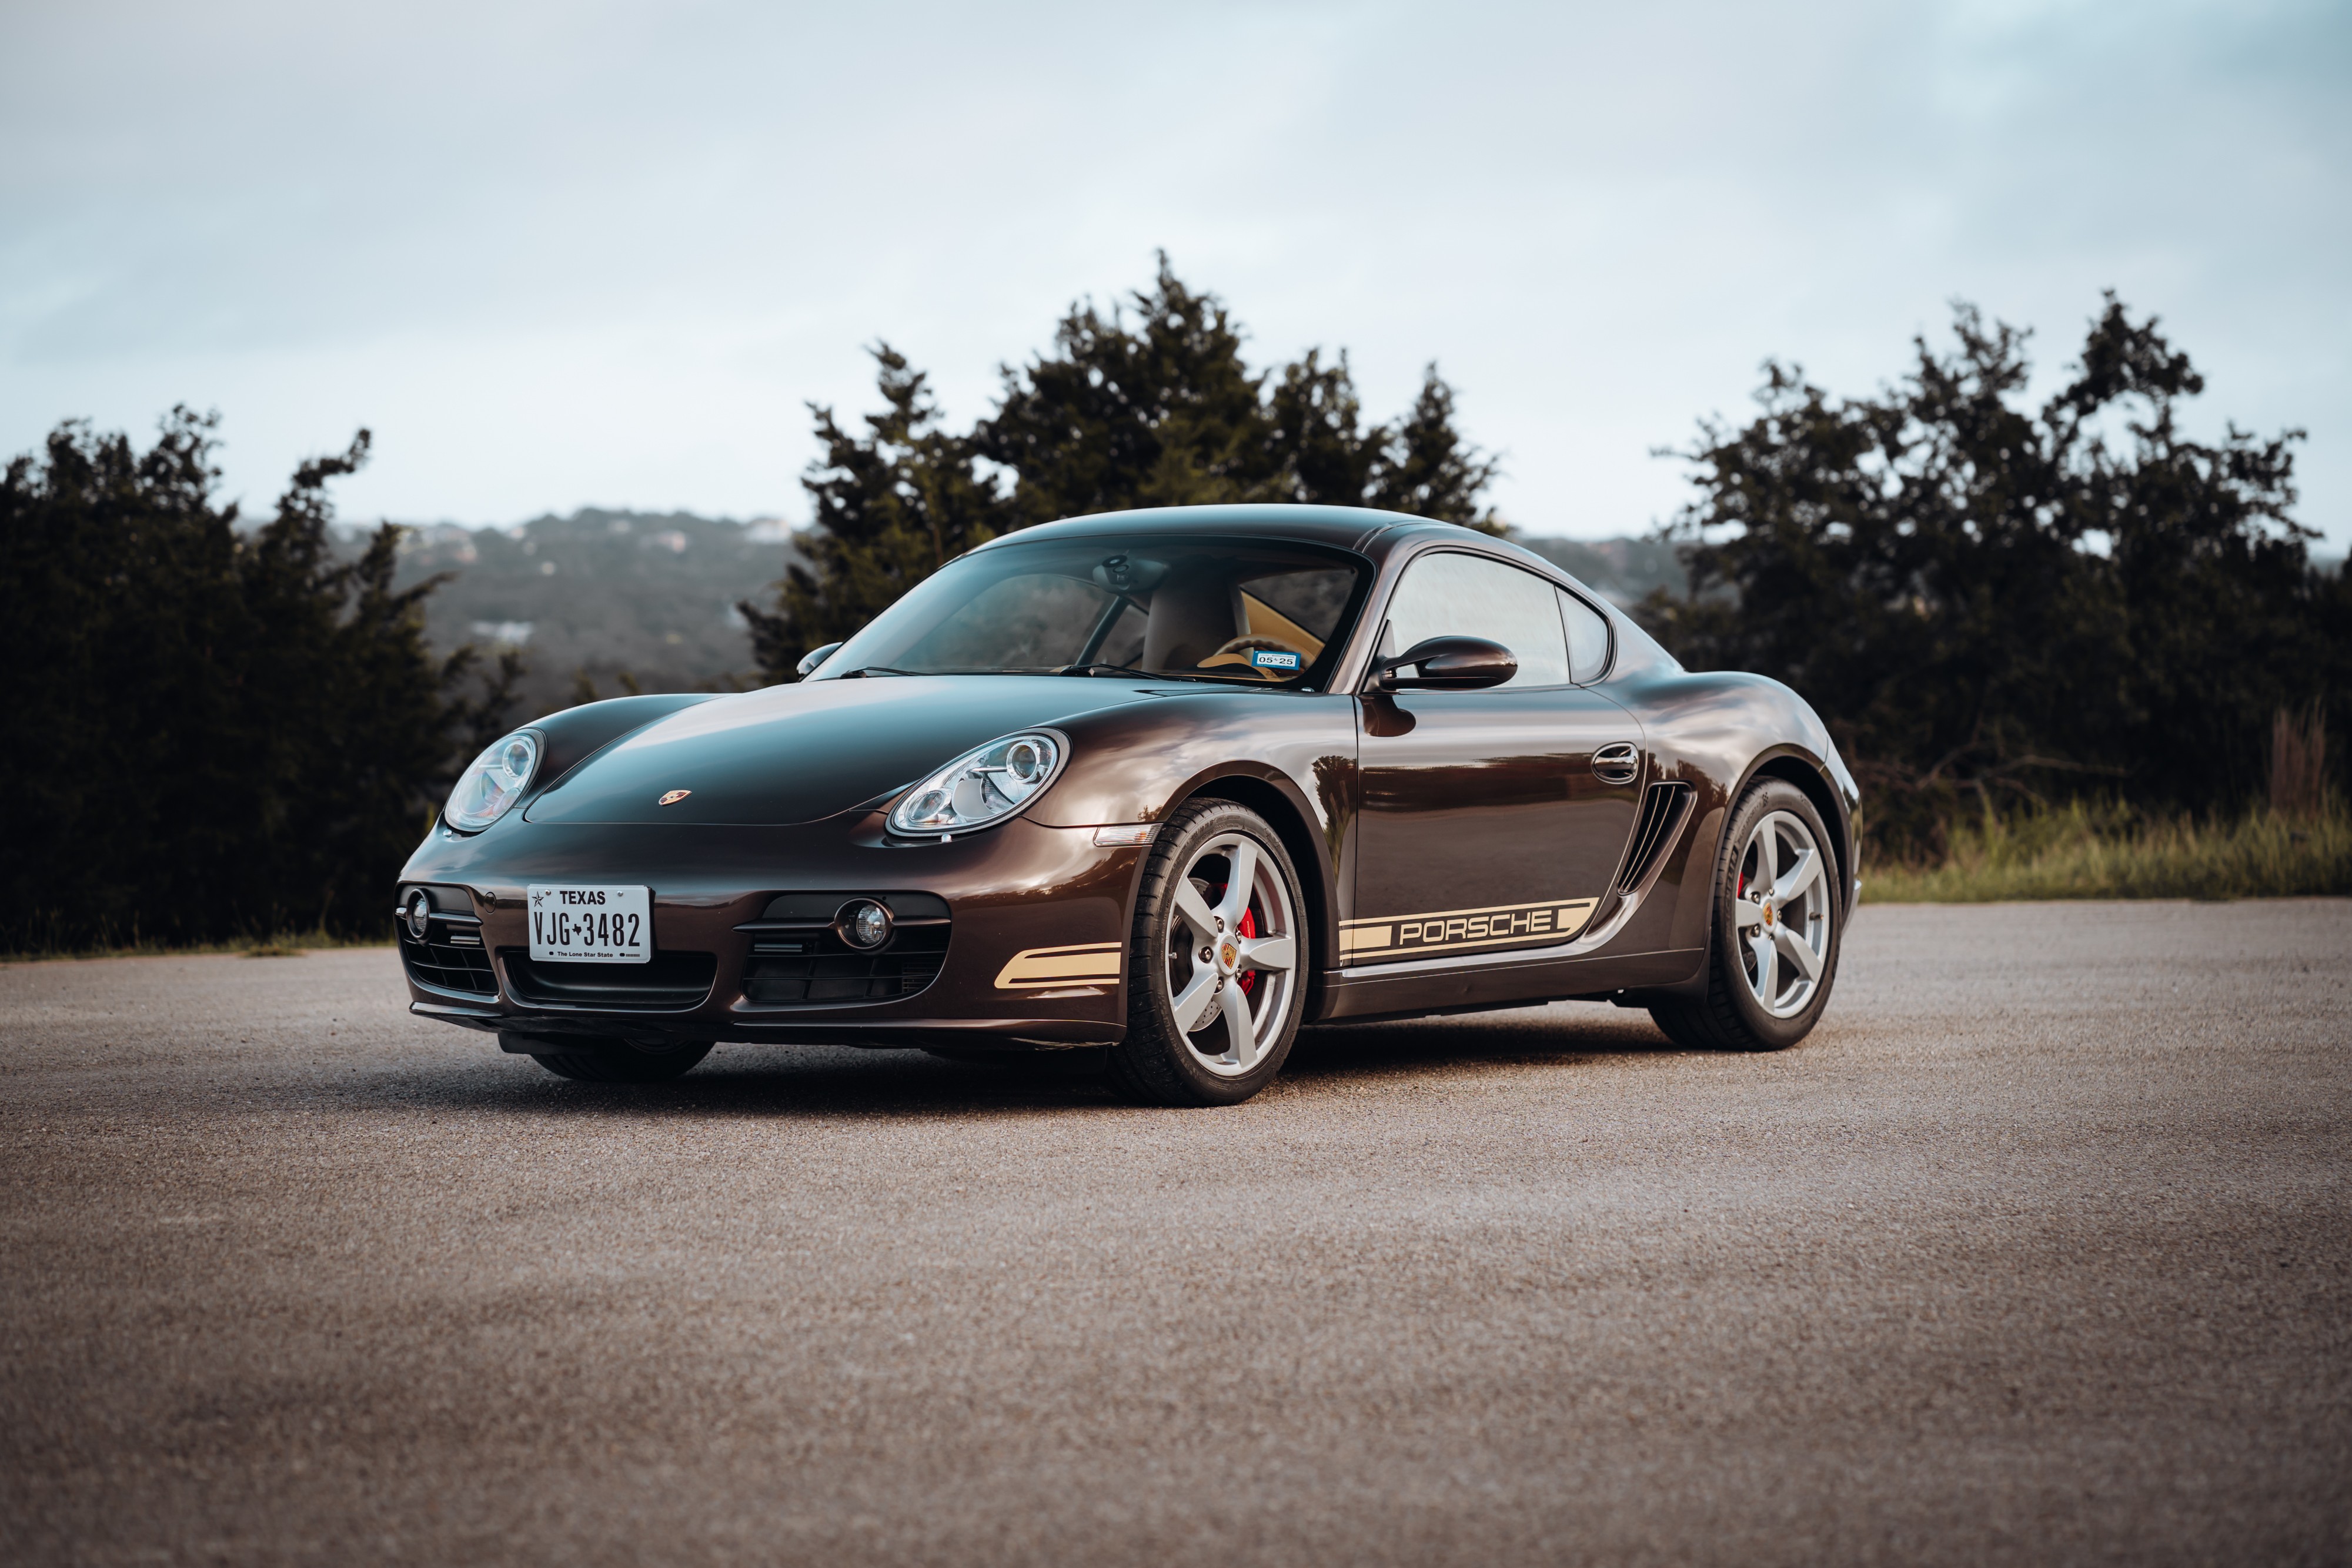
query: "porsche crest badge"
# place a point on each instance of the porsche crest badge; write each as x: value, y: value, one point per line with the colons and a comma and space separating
x: 673, y: 797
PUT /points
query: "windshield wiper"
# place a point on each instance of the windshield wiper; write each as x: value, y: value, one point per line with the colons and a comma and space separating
x: 878, y: 670
x: 1113, y: 670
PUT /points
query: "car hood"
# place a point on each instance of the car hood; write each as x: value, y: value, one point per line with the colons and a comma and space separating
x: 799, y: 753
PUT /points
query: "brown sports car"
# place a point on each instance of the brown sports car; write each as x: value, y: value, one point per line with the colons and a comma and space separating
x: 1169, y: 783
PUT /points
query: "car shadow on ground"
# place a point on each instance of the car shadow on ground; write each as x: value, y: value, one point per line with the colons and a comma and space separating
x: 819, y: 1081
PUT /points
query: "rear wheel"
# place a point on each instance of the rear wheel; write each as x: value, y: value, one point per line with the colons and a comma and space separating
x: 601, y: 1060
x: 1215, y: 977
x: 1775, y: 948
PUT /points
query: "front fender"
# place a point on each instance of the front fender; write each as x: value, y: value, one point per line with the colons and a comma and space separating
x: 1133, y: 764
x: 1138, y: 763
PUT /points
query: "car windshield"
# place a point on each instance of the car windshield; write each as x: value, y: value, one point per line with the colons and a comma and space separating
x: 1200, y: 607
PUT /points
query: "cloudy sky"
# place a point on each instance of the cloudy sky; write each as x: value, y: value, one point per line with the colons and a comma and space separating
x: 582, y: 254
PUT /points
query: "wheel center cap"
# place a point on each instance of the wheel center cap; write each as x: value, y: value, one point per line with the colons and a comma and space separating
x: 1227, y: 955
x: 1767, y: 912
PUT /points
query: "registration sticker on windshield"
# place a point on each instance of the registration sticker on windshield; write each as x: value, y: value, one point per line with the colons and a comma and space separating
x: 1268, y: 659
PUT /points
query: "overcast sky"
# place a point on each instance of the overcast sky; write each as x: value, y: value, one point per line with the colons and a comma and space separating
x: 591, y: 254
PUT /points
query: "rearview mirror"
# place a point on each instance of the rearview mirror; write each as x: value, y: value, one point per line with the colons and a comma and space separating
x: 1447, y: 664
x: 813, y: 658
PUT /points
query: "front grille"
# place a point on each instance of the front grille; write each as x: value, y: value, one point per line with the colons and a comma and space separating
x: 799, y: 960
x: 1662, y: 812
x: 447, y: 966
x: 667, y: 982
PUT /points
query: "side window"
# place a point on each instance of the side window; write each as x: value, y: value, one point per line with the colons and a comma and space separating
x: 1449, y: 595
x: 1588, y: 639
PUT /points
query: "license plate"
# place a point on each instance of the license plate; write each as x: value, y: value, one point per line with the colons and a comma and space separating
x: 590, y: 924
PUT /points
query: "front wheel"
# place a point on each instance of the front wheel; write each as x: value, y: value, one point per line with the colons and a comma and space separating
x: 1775, y: 929
x: 595, y: 1060
x: 1215, y: 985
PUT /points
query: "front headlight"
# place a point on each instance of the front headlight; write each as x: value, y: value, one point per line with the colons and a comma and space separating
x: 981, y: 786
x: 492, y: 782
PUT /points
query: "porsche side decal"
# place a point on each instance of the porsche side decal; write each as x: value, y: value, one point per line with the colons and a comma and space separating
x: 1458, y: 930
x: 1036, y: 969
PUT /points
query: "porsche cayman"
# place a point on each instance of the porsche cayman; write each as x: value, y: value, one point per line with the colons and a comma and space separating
x: 1169, y: 784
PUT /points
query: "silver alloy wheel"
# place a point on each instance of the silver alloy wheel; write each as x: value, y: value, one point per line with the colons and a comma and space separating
x: 1228, y: 1025
x: 1783, y: 909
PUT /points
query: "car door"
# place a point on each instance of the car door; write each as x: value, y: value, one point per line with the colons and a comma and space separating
x: 1482, y: 824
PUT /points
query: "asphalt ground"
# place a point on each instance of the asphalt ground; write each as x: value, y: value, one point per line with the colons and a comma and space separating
x: 2038, y: 1251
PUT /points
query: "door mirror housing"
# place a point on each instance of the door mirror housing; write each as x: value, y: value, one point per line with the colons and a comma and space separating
x: 1446, y: 665
x: 813, y: 658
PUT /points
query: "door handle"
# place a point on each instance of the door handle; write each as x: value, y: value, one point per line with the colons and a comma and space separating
x: 1617, y: 764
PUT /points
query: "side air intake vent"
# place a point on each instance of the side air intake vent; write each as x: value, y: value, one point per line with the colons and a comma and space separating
x: 1663, y: 805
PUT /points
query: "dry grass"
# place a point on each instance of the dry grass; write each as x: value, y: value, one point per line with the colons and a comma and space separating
x: 2092, y: 853
x: 279, y: 945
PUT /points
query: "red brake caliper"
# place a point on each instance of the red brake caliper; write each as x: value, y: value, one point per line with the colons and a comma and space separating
x: 1248, y: 980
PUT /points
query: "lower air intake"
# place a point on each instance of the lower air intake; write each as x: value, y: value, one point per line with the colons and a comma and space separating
x: 669, y: 982
x: 823, y: 969
x: 844, y: 978
x: 447, y: 966
x: 799, y: 957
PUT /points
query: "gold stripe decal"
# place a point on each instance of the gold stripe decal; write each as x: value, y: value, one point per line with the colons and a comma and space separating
x: 1039, y: 967
x: 1460, y: 930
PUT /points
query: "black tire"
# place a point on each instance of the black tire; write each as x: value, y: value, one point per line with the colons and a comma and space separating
x: 1156, y: 1064
x: 597, y: 1061
x: 1731, y: 1016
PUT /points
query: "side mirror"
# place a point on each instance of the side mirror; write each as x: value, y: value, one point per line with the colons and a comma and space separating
x: 1447, y: 664
x: 813, y: 658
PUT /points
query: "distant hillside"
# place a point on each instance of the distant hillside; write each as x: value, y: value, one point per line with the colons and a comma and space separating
x: 650, y: 593
x: 1624, y: 570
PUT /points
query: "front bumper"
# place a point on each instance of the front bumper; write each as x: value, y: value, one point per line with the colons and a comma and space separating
x: 971, y: 976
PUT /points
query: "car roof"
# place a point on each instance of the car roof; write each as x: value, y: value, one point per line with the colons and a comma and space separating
x: 1363, y: 529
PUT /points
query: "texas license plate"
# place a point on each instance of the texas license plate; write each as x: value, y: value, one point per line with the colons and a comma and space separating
x: 590, y: 924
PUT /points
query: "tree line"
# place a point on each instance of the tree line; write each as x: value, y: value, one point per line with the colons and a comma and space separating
x: 1995, y: 603
x: 224, y: 729
x: 213, y: 730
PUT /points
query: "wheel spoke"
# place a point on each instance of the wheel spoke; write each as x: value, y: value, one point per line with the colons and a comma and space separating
x: 1197, y: 1002
x: 1767, y: 854
x: 1240, y: 1028
x: 1224, y: 903
x: 1268, y: 953
x: 1762, y: 946
x: 1800, y: 876
x: 1799, y: 951
x: 1195, y: 910
x: 1240, y: 877
x: 1745, y: 914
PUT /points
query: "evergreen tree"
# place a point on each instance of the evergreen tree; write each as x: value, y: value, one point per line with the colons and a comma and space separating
x: 1146, y: 405
x: 216, y: 730
x: 890, y: 506
x: 1991, y: 602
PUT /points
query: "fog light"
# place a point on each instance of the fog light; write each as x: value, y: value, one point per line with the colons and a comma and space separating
x: 419, y: 913
x: 864, y: 923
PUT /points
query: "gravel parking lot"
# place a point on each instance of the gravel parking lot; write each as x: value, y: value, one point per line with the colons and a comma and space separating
x: 2038, y: 1251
